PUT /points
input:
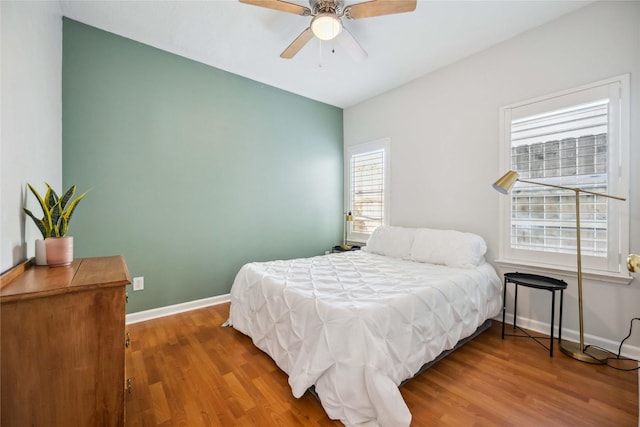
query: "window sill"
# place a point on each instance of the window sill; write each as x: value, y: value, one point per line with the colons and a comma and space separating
x: 622, y: 278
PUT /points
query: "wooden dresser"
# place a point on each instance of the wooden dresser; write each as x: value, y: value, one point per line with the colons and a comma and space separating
x: 62, y: 343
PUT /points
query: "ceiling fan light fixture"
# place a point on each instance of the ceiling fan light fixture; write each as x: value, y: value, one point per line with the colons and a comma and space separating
x: 326, y: 26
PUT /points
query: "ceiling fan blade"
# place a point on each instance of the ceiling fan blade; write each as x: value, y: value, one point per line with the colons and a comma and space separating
x: 351, y: 45
x: 297, y: 44
x: 282, y: 6
x: 379, y: 7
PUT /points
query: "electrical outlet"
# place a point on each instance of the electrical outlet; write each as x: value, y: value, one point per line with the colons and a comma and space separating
x: 138, y: 283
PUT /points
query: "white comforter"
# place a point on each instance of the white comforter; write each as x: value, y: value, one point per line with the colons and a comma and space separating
x: 356, y: 324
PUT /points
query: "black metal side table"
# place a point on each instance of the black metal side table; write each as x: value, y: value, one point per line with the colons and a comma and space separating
x: 537, y: 282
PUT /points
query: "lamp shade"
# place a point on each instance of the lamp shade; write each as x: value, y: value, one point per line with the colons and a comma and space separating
x: 326, y: 26
x: 504, y: 184
x: 633, y: 263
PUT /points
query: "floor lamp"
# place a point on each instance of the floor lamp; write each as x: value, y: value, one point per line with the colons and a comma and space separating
x: 576, y: 350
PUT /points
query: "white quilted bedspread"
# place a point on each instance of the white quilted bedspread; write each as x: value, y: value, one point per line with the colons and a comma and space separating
x: 356, y: 324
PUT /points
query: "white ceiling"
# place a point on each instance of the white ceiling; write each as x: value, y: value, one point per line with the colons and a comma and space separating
x: 247, y: 40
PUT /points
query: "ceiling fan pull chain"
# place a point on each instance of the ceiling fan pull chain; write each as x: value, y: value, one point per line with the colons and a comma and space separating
x: 319, y: 53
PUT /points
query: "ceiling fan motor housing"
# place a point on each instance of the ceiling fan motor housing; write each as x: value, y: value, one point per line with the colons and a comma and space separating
x: 327, y: 6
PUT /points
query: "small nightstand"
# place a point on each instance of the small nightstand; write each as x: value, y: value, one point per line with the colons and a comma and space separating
x: 341, y: 249
x: 537, y: 282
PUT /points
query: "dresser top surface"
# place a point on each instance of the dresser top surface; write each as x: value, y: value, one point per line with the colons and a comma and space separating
x: 82, y: 274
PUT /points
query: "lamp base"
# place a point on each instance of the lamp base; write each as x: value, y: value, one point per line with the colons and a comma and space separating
x: 588, y: 354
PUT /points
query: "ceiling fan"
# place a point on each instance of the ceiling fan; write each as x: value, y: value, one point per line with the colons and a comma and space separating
x: 326, y: 23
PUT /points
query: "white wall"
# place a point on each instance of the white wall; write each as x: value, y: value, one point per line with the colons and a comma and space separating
x: 445, y: 142
x: 30, y: 117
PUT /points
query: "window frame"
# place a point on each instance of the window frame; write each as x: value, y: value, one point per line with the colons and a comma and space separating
x: 613, y: 270
x: 375, y: 145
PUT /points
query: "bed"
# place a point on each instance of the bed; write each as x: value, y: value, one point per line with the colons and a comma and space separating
x: 353, y: 326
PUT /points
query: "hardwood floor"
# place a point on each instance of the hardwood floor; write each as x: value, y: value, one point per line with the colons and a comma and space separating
x: 189, y: 371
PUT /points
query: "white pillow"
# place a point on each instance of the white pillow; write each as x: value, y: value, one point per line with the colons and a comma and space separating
x: 448, y: 247
x: 391, y: 241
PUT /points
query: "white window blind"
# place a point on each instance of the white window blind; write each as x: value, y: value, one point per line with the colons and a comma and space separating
x: 566, y: 147
x: 367, y: 195
x: 367, y: 187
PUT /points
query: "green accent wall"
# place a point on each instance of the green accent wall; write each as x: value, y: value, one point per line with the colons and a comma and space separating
x: 192, y: 171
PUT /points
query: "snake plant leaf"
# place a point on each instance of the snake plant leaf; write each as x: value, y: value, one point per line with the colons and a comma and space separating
x: 64, y: 226
x: 56, y: 212
x: 43, y: 205
x: 45, y: 209
x: 51, y: 197
x: 47, y: 195
x: 39, y: 223
x: 72, y: 206
x: 67, y: 196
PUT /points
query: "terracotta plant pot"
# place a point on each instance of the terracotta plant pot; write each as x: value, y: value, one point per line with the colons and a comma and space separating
x: 59, y: 251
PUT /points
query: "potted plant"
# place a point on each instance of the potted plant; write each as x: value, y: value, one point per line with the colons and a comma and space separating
x: 54, y: 224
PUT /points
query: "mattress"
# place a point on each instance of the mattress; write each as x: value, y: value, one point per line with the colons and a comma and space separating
x: 356, y: 324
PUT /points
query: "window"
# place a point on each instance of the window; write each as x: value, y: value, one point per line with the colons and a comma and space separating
x: 577, y: 138
x: 367, y: 171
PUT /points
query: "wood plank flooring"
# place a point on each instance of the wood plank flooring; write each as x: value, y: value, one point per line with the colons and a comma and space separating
x: 189, y: 371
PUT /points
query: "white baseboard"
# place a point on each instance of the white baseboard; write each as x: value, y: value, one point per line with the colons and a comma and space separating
x: 154, y: 313
x: 632, y: 352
